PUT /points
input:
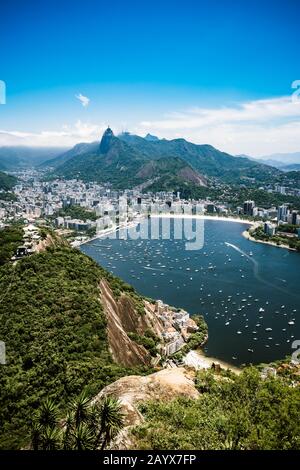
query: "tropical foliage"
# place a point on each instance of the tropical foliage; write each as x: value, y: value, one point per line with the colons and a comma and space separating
x: 86, y: 425
x: 54, y: 328
x: 10, y: 238
x: 235, y: 412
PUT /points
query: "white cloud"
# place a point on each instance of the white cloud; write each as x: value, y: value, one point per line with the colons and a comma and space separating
x: 67, y: 136
x: 83, y: 99
x: 255, y: 127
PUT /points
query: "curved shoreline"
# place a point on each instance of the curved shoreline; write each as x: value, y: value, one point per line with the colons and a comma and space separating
x: 199, y: 360
x: 133, y: 223
x: 203, y: 217
x: 248, y: 236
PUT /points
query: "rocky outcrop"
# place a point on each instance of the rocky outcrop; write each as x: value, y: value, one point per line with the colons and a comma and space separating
x: 166, y: 385
x: 122, y: 318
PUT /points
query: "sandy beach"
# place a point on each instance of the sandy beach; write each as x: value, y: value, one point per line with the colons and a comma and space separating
x: 106, y: 232
x: 204, y: 217
x: 134, y: 222
x: 198, y: 360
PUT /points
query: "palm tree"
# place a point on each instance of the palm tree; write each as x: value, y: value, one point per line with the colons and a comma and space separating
x: 48, y: 414
x: 51, y: 439
x: 44, y: 422
x: 112, y: 420
x: 82, y: 437
x: 35, y: 436
x: 80, y: 408
x: 68, y: 426
x: 85, y: 427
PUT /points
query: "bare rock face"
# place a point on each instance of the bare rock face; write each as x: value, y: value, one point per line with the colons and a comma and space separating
x: 165, y: 385
x: 122, y: 318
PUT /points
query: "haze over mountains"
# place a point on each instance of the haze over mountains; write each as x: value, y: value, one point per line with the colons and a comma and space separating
x: 129, y: 160
x: 282, y: 161
x: 12, y: 158
x: 150, y: 163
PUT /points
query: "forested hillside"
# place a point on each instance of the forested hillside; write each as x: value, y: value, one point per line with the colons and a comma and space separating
x: 54, y: 328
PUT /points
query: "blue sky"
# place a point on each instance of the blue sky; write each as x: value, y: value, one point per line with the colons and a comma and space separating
x: 159, y: 66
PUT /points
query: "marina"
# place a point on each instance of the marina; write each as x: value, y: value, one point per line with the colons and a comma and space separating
x: 251, y: 303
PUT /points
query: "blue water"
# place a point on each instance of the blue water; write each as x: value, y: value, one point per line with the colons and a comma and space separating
x: 248, y: 292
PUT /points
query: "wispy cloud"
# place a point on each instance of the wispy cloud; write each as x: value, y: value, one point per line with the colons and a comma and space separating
x: 255, y: 127
x: 83, y: 99
x: 67, y: 136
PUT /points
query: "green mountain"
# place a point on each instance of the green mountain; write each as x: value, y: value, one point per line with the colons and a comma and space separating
x: 205, y: 159
x: 56, y: 332
x: 7, y: 181
x: 124, y: 162
x: 70, y: 326
x: 125, y: 165
x: 79, y: 149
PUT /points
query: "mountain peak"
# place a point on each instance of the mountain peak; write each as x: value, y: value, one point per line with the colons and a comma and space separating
x: 151, y: 138
x: 106, y: 140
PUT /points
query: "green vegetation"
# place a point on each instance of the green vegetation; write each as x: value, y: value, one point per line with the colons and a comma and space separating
x: 118, y: 287
x: 10, y: 238
x: 8, y: 196
x: 236, y: 412
x: 196, y: 340
x: 86, y: 426
x: 288, y: 228
x: 232, y: 195
x: 149, y: 340
x: 129, y: 160
x: 7, y: 182
x: 54, y: 328
x: 279, y: 238
x: 77, y: 212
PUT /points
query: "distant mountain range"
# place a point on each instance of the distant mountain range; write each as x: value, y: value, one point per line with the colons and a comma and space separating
x: 129, y: 160
x: 122, y: 164
x: 13, y: 158
x: 282, y: 161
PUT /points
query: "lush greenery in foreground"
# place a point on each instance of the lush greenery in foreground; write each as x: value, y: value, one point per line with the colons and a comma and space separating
x: 87, y: 425
x: 54, y: 328
x: 235, y: 412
